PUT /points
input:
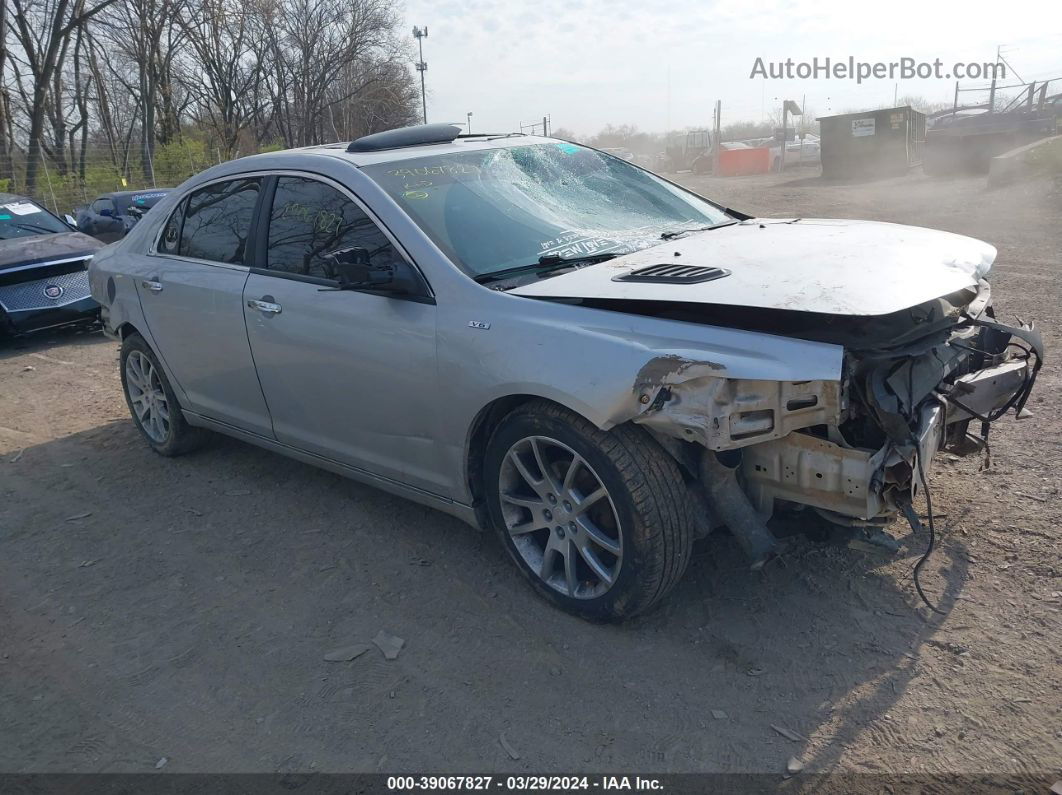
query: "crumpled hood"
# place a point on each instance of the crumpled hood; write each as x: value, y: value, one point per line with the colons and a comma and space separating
x: 831, y: 266
x: 44, y: 248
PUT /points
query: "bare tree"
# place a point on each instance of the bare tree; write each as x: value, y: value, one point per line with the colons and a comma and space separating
x: 145, y: 33
x: 127, y: 76
x: 42, y: 31
x: 320, y: 54
x: 7, y: 130
x: 223, y: 74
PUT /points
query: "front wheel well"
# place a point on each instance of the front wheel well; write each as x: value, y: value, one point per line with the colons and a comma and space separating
x: 491, y: 415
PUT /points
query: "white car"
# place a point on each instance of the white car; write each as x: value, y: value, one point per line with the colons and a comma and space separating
x: 797, y: 153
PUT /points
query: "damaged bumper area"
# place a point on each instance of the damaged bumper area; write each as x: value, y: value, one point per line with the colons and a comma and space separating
x: 852, y: 448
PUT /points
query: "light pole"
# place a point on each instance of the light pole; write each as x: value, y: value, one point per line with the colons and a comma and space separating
x: 469, y: 114
x: 789, y: 107
x: 420, y: 34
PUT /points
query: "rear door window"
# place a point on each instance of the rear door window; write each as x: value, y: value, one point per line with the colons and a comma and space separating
x: 216, y: 222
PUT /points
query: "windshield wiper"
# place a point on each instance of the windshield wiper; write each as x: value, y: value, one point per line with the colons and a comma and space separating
x: 545, y: 264
x: 33, y: 228
x: 672, y: 234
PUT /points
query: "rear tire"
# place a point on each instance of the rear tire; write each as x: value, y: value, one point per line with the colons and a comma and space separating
x: 152, y: 403
x: 599, y: 522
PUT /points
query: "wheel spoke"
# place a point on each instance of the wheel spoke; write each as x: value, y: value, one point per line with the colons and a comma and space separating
x: 594, y: 534
x: 595, y: 564
x: 133, y: 369
x: 569, y: 567
x: 529, y: 526
x: 547, y: 481
x: 525, y: 473
x: 533, y: 503
x: 549, y: 555
x: 582, y: 505
x: 569, y: 476
x: 140, y: 406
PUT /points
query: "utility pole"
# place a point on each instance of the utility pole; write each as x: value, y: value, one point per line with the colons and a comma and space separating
x: 420, y: 34
x: 992, y: 90
x: 788, y: 108
x: 717, y: 134
x: 781, y: 162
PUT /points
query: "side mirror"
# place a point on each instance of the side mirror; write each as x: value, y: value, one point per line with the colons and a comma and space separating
x: 107, y: 212
x: 70, y: 220
x: 353, y: 270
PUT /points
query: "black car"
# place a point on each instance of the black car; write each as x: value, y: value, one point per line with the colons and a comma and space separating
x: 43, y: 269
x: 112, y: 215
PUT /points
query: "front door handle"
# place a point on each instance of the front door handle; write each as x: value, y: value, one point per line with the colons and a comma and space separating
x: 155, y: 287
x: 265, y: 307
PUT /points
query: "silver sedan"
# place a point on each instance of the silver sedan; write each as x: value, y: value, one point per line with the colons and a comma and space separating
x: 551, y: 342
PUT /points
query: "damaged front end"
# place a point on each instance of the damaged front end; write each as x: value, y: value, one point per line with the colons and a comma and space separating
x: 851, y: 449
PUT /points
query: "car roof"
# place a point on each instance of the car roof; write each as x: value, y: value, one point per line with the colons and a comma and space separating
x: 121, y: 194
x: 397, y: 154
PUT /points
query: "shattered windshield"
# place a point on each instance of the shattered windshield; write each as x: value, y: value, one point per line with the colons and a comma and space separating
x: 494, y: 209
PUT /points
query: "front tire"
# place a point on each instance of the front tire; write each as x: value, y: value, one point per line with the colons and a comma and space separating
x: 599, y: 522
x: 152, y: 403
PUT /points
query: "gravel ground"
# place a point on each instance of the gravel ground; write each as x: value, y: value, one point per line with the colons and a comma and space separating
x: 181, y: 608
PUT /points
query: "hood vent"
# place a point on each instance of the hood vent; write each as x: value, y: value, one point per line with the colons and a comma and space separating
x: 672, y: 274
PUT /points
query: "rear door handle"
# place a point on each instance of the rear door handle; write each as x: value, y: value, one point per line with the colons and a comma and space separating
x: 265, y: 307
x: 155, y: 287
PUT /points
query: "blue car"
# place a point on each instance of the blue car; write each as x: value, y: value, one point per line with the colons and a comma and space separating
x: 112, y: 215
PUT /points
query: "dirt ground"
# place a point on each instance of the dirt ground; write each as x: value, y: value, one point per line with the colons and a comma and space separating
x: 181, y: 608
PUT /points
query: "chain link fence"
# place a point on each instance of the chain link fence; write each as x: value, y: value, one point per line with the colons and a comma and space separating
x: 81, y: 176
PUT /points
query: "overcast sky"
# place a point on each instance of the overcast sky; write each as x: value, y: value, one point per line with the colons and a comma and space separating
x: 588, y: 63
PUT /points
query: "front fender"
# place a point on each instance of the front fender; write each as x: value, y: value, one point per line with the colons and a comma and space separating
x: 609, y: 367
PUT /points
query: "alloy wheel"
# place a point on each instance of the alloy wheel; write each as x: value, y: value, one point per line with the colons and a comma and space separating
x: 562, y: 520
x: 147, y: 397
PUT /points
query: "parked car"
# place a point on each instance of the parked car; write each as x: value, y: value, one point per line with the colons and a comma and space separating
x: 620, y: 152
x: 545, y: 340
x: 802, y: 152
x: 112, y: 215
x: 43, y: 269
